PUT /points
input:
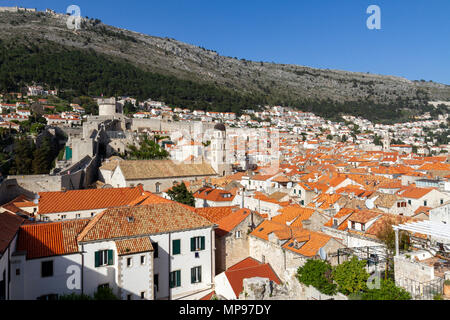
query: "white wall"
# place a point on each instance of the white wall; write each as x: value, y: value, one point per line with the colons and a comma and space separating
x: 223, y: 288
x: 183, y: 262
x: 138, y: 277
x: 30, y: 285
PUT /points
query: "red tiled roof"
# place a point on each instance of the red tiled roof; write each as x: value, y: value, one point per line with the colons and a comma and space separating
x: 413, y: 192
x: 9, y: 225
x: 214, y: 214
x: 50, y: 239
x: 208, y: 296
x: 146, y: 220
x: 89, y: 199
x: 133, y: 245
x: 237, y: 275
x: 229, y: 222
x: 212, y: 194
x: 246, y: 263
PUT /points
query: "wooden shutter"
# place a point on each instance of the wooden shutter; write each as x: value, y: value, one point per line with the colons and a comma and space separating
x: 171, y: 280
x: 192, y: 275
x: 97, y: 259
x: 178, y: 273
x: 202, y: 243
x: 110, y: 257
x: 192, y: 244
x: 176, y: 246
x: 200, y: 274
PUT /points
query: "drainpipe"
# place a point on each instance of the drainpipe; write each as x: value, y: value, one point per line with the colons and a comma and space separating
x: 9, y: 275
x: 82, y: 269
x: 168, y: 284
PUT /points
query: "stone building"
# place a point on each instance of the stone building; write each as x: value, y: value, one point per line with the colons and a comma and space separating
x: 287, y: 247
x: 154, y: 175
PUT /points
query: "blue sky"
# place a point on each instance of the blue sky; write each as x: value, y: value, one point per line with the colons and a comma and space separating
x: 414, y: 41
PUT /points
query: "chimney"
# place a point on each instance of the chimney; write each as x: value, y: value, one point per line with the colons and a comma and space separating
x: 242, y: 197
x: 306, y: 224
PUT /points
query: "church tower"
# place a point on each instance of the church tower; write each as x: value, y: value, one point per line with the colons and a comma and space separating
x: 386, y: 142
x: 219, y: 152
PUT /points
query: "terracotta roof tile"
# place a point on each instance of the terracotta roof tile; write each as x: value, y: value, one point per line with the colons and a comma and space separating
x: 142, y: 220
x: 49, y: 239
x: 133, y: 245
x: 214, y: 214
x: 236, y: 277
x: 89, y: 199
x: 9, y: 225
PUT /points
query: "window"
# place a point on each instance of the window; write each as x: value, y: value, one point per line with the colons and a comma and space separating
x: 176, y: 246
x: 353, y: 225
x: 196, y: 275
x: 128, y: 296
x: 129, y: 262
x: 104, y: 258
x: 143, y: 295
x: 197, y: 243
x: 63, y: 216
x: 155, y: 249
x: 409, y: 202
x: 302, y: 202
x: 238, y: 234
x: 17, y: 272
x: 156, y: 282
x: 363, y: 227
x: 157, y: 188
x: 46, y: 269
x: 335, y: 222
x: 78, y: 215
x: 425, y: 203
x: 142, y: 259
x: 175, y: 279
x: 92, y: 214
x: 442, y: 201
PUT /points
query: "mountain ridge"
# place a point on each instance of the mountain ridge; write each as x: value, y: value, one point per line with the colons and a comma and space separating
x: 284, y: 84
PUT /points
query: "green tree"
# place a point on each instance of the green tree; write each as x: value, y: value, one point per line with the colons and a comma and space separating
x: 387, y: 235
x: 129, y: 108
x: 351, y: 276
x: 37, y: 127
x: 105, y: 294
x: 148, y: 150
x: 317, y: 273
x: 181, y: 194
x: 23, y: 156
x: 387, y: 291
x: 377, y: 140
x: 43, y: 157
x: 329, y: 137
x: 74, y: 297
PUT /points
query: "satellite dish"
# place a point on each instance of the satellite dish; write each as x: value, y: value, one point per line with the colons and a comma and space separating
x: 322, y: 254
x: 370, y: 204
